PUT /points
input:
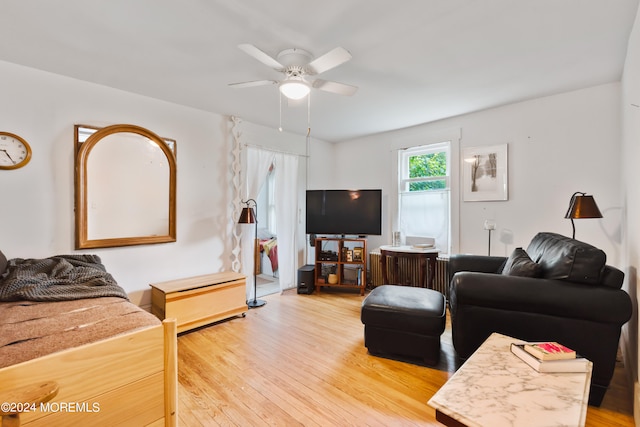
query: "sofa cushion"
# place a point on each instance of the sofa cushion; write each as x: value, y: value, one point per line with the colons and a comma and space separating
x: 519, y: 264
x: 612, y: 277
x: 564, y: 258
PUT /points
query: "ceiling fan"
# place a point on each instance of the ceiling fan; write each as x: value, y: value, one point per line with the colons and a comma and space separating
x: 297, y: 65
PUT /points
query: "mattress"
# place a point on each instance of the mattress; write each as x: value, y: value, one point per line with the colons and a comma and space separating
x: 31, y: 329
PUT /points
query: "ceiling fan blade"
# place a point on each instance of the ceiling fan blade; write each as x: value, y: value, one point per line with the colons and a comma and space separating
x: 335, y: 87
x: 329, y: 60
x: 256, y: 53
x: 253, y: 83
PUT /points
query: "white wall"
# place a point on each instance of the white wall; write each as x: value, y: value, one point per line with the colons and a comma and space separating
x: 557, y: 145
x: 630, y: 153
x: 322, y: 165
x: 37, y: 201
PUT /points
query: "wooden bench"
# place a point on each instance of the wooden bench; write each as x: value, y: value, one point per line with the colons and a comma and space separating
x: 200, y: 300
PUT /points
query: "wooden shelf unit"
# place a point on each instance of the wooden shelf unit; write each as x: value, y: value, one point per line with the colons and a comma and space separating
x: 200, y: 300
x: 340, y: 264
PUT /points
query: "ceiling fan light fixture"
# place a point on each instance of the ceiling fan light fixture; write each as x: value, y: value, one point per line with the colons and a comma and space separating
x: 295, y: 89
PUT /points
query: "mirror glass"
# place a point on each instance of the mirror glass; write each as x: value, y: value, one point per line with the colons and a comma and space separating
x: 125, y: 187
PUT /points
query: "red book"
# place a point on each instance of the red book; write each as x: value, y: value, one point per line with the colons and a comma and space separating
x: 579, y: 364
x: 550, y: 351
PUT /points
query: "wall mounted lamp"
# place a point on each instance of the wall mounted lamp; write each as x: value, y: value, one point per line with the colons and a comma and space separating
x: 248, y: 216
x: 582, y: 206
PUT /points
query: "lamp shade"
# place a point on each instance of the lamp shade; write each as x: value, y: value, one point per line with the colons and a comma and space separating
x: 247, y: 216
x: 295, y: 89
x: 583, y: 206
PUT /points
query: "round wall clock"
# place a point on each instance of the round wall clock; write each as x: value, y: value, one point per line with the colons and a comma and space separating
x: 14, y: 151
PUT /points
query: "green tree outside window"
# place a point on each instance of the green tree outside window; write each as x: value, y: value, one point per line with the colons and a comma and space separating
x: 426, y: 166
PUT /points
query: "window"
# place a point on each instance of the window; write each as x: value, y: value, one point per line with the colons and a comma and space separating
x: 425, y: 193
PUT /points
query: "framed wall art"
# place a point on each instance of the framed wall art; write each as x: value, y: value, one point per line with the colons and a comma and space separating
x: 485, y: 173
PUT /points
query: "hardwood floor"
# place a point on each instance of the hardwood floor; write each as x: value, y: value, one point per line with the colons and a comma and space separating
x: 301, y: 360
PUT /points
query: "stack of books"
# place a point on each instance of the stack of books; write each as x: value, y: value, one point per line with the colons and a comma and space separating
x: 550, y: 357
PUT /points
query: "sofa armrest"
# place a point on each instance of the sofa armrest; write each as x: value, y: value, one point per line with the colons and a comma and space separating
x: 541, y: 296
x: 477, y: 263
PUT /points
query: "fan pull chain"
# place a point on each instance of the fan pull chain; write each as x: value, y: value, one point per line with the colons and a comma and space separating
x: 308, y: 114
x: 280, y: 127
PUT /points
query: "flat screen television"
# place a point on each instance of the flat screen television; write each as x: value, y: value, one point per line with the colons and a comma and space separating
x: 344, y: 212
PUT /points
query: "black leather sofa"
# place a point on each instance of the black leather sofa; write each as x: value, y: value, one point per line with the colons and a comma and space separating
x: 559, y: 289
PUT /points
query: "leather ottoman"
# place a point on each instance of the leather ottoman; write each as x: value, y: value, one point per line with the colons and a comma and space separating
x: 405, y: 323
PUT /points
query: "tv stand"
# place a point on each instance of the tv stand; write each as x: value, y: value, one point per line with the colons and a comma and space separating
x: 348, y: 269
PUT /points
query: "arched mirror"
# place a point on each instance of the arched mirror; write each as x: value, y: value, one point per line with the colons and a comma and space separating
x: 125, y: 187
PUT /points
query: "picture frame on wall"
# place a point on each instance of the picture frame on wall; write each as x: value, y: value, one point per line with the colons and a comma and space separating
x: 485, y: 173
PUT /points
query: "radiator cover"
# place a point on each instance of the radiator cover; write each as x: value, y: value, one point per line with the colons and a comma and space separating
x: 409, y: 271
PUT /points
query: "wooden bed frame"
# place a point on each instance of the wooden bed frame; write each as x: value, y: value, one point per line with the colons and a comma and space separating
x: 129, y: 379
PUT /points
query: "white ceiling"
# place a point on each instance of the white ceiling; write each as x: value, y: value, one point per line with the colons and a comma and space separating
x: 414, y: 61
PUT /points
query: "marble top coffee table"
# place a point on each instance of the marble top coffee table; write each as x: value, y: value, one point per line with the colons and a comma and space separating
x: 495, y: 388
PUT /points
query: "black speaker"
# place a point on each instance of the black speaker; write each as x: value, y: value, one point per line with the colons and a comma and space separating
x: 306, y: 279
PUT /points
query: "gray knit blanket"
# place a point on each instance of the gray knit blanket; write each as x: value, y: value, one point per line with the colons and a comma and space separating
x: 58, y: 278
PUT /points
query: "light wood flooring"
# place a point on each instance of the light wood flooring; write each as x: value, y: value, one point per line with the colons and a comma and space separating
x: 301, y: 360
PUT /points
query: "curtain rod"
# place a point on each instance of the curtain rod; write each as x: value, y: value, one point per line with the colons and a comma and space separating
x: 262, y: 147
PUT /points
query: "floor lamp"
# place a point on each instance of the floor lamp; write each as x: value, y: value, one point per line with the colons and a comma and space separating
x: 582, y: 206
x: 248, y: 216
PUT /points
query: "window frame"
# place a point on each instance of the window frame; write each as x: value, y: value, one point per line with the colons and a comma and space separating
x: 405, y: 156
x: 403, y: 183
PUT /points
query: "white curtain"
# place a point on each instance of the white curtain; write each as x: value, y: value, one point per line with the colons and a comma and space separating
x: 426, y: 214
x: 286, y: 193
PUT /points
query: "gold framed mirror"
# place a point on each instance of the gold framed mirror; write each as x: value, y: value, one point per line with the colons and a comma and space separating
x: 125, y: 187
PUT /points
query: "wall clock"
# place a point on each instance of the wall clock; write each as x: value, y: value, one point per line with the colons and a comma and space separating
x: 14, y: 151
